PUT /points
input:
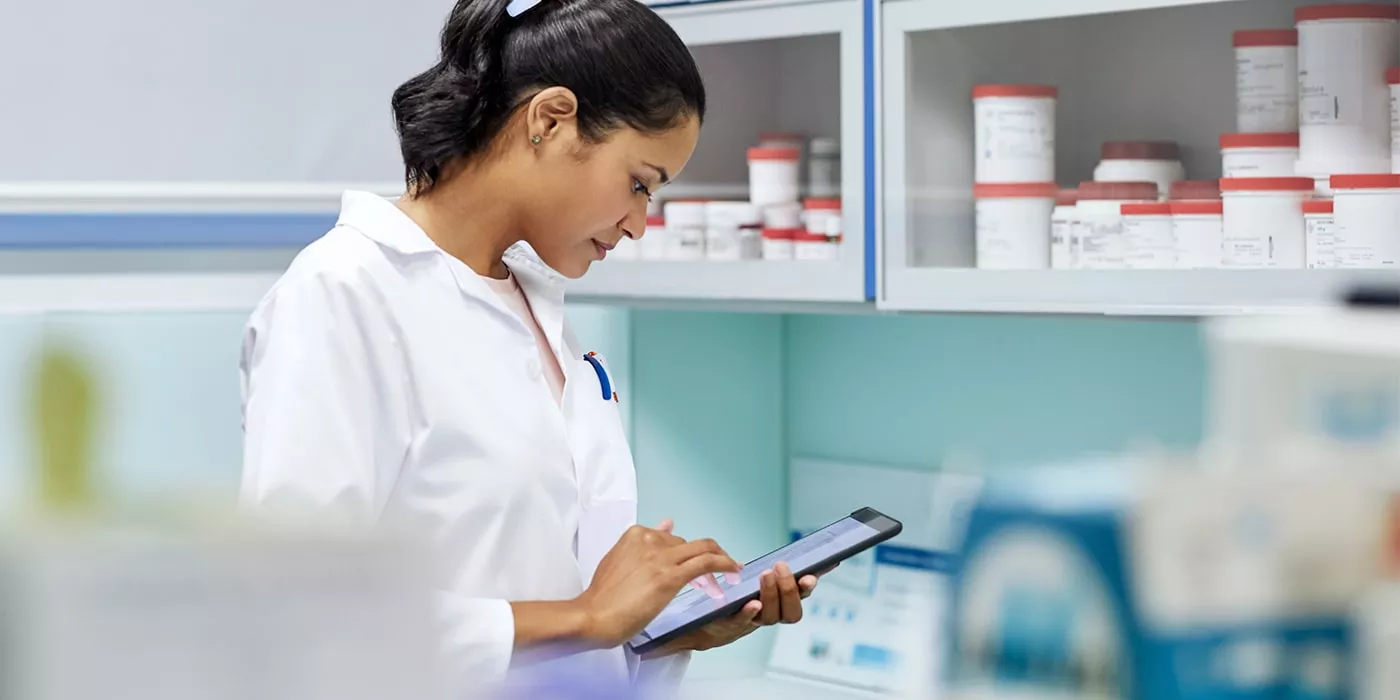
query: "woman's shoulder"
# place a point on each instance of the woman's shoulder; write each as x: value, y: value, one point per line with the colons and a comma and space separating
x: 342, y: 263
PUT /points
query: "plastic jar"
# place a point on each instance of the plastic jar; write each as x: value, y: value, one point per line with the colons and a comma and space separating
x: 1259, y: 155
x: 1062, y: 221
x: 1392, y: 78
x: 1197, y: 233
x: 733, y: 231
x: 1013, y: 224
x: 1319, y: 234
x: 1367, y: 220
x: 818, y: 212
x: 824, y: 167
x: 781, y: 224
x: 1264, y: 221
x: 685, y: 230
x: 1195, y: 190
x: 1015, y: 133
x: 1141, y: 161
x: 1147, y: 236
x: 1097, y: 243
x: 1344, y: 103
x: 1266, y: 81
x: 655, y: 241
x: 773, y: 175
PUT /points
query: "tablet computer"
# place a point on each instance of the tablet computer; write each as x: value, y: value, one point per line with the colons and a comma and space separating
x: 693, y: 608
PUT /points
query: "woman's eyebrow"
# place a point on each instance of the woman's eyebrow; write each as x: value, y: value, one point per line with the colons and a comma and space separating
x: 660, y: 171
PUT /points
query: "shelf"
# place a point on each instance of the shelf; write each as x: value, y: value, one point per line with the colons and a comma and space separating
x: 133, y: 292
x: 917, y: 15
x: 736, y: 281
x: 1124, y: 292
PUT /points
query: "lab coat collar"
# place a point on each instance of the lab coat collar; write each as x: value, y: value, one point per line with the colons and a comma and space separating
x: 544, y: 289
x: 383, y: 222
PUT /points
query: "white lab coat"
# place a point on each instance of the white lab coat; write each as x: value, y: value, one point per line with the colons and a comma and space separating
x: 384, y: 380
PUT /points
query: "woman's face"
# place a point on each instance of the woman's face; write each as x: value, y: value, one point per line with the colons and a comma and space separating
x: 597, y: 193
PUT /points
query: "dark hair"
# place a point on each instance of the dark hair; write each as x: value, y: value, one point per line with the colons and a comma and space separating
x: 622, y: 61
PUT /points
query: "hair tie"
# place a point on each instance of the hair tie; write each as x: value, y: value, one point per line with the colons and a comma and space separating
x: 520, y: 7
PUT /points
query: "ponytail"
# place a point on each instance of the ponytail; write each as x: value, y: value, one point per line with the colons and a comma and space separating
x: 622, y: 61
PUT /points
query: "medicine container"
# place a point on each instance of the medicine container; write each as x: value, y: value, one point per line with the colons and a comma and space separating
x: 1367, y: 213
x: 1263, y: 221
x: 1147, y: 236
x: 1320, y: 234
x: 1197, y: 233
x: 1062, y: 221
x: 1263, y: 154
x: 1014, y: 225
x: 1266, y: 81
x: 1015, y: 133
x: 1098, y: 243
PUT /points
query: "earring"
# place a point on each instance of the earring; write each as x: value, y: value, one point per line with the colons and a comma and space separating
x: 536, y: 139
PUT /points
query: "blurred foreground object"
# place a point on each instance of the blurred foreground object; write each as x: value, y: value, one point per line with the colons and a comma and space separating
x: 217, y: 614
x: 64, y: 400
x: 1165, y: 582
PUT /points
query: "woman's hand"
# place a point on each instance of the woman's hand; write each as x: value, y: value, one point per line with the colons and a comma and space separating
x: 779, y: 600
x: 639, y: 576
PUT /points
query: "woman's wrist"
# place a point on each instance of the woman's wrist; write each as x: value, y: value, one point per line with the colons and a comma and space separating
x: 567, y: 621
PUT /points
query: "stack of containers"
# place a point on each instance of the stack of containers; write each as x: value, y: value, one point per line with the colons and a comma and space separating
x: 1344, y: 53
x: 782, y: 223
x: 1014, y: 178
x: 1197, y: 224
x: 821, y: 240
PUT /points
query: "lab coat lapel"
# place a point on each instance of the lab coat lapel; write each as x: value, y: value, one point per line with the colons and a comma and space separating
x: 544, y: 289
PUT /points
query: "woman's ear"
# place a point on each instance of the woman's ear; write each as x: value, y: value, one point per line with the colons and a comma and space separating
x: 551, y: 113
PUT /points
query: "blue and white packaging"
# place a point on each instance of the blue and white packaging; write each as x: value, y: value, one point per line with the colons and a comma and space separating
x: 1139, y: 581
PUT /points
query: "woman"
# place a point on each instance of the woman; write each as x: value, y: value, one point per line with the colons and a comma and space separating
x: 413, y: 368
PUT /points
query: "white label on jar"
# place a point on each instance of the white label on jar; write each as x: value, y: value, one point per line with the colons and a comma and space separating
x: 686, y: 243
x: 1100, y: 242
x: 1395, y: 128
x: 1320, y: 239
x: 1197, y: 240
x: 813, y: 250
x: 1015, y: 140
x: 1147, y: 243
x: 1330, y: 88
x: 722, y: 244
x: 777, y: 249
x: 1061, y: 238
x: 1266, y: 89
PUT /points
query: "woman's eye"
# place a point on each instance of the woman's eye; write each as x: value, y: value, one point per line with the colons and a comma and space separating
x: 639, y: 188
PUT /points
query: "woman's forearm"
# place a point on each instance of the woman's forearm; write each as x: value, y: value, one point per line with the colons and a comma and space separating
x: 562, y: 622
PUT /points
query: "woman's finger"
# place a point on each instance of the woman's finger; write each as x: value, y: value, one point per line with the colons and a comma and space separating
x: 710, y: 586
x: 768, y: 596
x: 667, y: 526
x: 807, y: 584
x: 789, y: 596
x: 748, y: 615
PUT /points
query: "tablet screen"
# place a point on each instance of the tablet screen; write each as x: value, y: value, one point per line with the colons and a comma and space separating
x: 805, y: 553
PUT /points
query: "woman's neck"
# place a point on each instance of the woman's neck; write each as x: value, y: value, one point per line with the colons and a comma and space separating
x: 469, y: 218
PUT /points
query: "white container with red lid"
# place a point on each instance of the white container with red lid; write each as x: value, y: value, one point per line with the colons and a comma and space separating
x: 1263, y: 221
x: 1197, y: 233
x: 774, y: 175
x: 1147, y: 236
x: 1259, y: 155
x: 781, y: 225
x: 1098, y: 240
x: 1062, y: 222
x: 1392, y: 78
x: 821, y: 240
x: 1141, y: 161
x: 1319, y: 234
x: 1266, y: 81
x: 1014, y: 133
x: 654, y: 241
x: 1013, y: 224
x: 1344, y: 102
x: 1368, y: 220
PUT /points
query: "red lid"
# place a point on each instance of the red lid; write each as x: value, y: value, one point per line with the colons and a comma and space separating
x: 1066, y: 197
x: 656, y: 220
x: 1317, y: 206
x: 1118, y: 191
x: 1265, y: 140
x: 980, y: 91
x: 1195, y: 189
x: 1200, y: 208
x: 1041, y: 190
x: 1266, y: 37
x: 805, y: 237
x: 823, y: 203
x: 781, y: 234
x: 774, y: 153
x: 1379, y: 181
x: 1392, y: 76
x: 1351, y: 11
x: 1140, y: 150
x: 780, y: 137
x: 1267, y: 184
x: 1147, y: 209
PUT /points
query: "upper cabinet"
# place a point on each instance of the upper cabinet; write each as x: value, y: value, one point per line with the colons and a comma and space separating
x: 1121, y: 90
x: 778, y: 74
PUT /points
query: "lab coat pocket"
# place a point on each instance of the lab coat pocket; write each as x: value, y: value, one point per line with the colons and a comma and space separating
x: 603, y: 464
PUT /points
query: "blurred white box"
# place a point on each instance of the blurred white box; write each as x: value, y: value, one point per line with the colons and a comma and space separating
x: 145, y: 615
x: 1312, y: 391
